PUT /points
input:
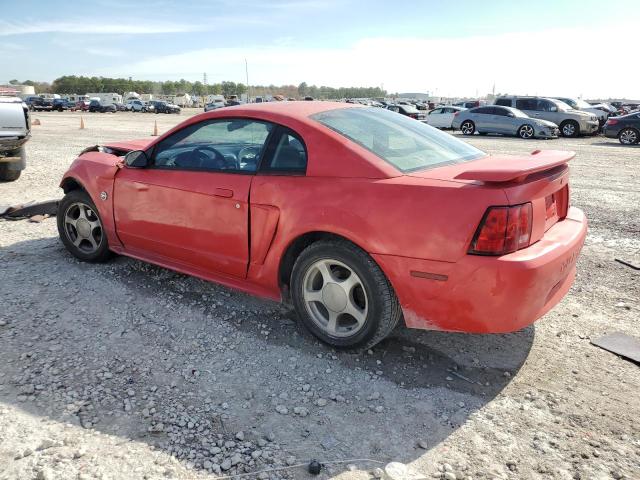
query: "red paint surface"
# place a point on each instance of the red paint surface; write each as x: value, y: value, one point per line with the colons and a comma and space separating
x: 235, y: 229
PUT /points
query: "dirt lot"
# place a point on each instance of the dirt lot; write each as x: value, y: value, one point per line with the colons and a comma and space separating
x: 129, y: 371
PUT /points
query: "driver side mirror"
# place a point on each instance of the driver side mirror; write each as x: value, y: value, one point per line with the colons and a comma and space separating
x: 512, y: 115
x: 136, y: 159
x: 553, y: 109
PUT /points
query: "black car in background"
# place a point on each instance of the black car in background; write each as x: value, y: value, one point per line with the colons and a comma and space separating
x: 164, y: 107
x: 626, y: 128
x: 61, y: 104
x: 409, y: 111
x: 97, y: 106
x: 36, y: 104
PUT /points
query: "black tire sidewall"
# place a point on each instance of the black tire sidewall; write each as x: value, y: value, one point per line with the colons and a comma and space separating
x: 354, y: 261
x: 102, y: 253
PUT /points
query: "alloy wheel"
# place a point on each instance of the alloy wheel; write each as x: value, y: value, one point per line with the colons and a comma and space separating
x: 526, y: 131
x: 83, y: 228
x: 335, y: 298
x: 628, y: 136
x: 569, y: 130
x: 467, y: 128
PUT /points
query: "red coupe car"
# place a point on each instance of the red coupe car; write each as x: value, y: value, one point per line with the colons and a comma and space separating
x: 357, y: 215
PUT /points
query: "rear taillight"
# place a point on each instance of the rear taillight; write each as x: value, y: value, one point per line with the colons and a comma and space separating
x: 612, y: 121
x: 503, y: 230
x: 414, y: 115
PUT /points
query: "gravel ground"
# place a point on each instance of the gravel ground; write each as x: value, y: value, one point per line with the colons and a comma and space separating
x: 129, y: 371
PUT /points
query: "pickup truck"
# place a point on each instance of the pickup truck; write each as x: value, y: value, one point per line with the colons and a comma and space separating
x: 15, y: 130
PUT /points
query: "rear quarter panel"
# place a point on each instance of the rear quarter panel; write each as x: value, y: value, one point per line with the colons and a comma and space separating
x: 403, y: 216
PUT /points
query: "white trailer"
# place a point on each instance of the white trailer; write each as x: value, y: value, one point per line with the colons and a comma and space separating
x: 106, y: 98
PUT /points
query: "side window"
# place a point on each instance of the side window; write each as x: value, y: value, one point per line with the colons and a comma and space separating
x: 500, y: 111
x: 482, y: 110
x: 437, y: 111
x: 546, y: 106
x: 526, y: 104
x: 289, y: 155
x: 505, y: 102
x: 233, y: 145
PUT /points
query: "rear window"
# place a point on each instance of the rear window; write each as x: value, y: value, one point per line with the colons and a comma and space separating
x: 403, y: 142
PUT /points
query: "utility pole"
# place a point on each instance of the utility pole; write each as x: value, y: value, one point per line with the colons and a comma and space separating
x: 246, y: 71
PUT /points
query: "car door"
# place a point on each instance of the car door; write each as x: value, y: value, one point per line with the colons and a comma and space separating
x: 447, y: 116
x: 549, y: 111
x: 434, y: 118
x: 528, y: 106
x: 190, y: 205
x: 503, y: 123
x: 483, y: 118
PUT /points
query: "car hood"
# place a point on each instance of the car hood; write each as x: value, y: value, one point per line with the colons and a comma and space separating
x: 545, y: 123
x: 130, y: 145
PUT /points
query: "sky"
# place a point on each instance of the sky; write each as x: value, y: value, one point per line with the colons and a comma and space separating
x: 447, y: 48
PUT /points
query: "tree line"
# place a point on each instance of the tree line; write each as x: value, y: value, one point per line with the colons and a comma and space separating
x: 80, y: 84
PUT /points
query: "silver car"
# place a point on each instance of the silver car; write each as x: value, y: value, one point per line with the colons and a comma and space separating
x: 572, y: 122
x: 503, y: 120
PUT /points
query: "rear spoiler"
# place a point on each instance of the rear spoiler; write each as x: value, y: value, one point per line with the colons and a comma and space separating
x: 515, y: 168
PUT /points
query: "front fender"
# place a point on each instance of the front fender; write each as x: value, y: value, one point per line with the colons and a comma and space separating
x: 95, y: 172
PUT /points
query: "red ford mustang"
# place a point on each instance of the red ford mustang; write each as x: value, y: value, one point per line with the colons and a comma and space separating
x: 358, y: 216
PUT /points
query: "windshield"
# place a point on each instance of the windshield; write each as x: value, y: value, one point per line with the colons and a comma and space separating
x: 582, y: 104
x: 405, y: 143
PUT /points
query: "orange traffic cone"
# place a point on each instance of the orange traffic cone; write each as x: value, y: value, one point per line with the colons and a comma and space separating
x: 36, y: 122
x: 81, y: 123
x: 155, y: 129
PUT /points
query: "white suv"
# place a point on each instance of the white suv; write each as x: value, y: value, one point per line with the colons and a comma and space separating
x: 136, y: 106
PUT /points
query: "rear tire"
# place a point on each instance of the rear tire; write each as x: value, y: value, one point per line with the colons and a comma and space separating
x: 81, y: 229
x: 526, y: 131
x: 570, y: 128
x: 342, y: 296
x: 468, y: 127
x: 629, y: 136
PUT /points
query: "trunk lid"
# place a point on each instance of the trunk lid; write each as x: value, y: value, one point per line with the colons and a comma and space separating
x: 541, y: 178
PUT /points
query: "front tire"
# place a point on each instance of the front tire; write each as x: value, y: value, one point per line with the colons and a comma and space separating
x: 570, y: 128
x: 342, y: 296
x: 629, y: 136
x: 526, y: 131
x: 468, y: 127
x: 80, y: 228
x: 7, y: 174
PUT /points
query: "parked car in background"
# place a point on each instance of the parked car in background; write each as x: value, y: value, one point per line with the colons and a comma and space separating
x: 164, y: 107
x: 408, y: 110
x: 120, y: 107
x: 61, y: 104
x: 470, y: 103
x: 234, y: 102
x: 626, y: 128
x: 37, y: 104
x: 579, y: 104
x: 15, y: 131
x: 442, y: 117
x: 82, y: 106
x: 572, y: 122
x: 310, y: 204
x: 135, y: 106
x: 215, y: 104
x: 98, y: 106
x: 503, y: 120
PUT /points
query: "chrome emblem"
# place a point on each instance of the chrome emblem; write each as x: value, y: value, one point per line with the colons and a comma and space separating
x: 103, y: 196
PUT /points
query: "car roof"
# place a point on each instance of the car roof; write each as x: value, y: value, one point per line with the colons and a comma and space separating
x: 297, y: 110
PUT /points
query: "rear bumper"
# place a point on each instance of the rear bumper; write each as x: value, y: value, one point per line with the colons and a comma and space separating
x: 489, y: 294
x: 611, y: 131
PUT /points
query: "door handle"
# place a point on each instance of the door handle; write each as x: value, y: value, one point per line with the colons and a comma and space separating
x: 223, y: 192
x: 141, y: 187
